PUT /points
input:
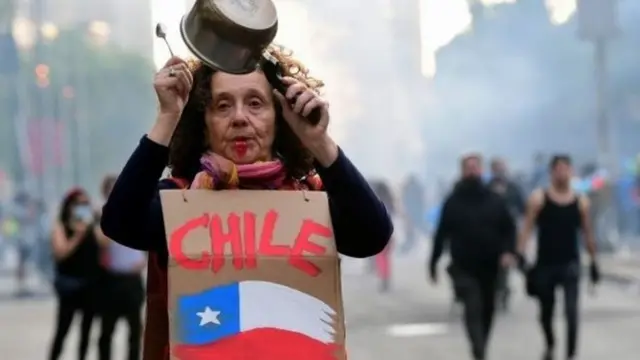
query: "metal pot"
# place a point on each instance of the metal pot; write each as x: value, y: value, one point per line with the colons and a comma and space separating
x: 230, y: 35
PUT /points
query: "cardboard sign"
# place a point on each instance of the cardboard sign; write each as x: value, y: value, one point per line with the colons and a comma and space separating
x: 252, y: 275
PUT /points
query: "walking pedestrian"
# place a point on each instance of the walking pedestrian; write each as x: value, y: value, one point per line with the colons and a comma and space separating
x: 480, y: 232
x: 413, y: 203
x: 78, y: 273
x: 382, y: 261
x: 124, y: 289
x: 25, y: 213
x: 510, y: 192
x: 559, y: 215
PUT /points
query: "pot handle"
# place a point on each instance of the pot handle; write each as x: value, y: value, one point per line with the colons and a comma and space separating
x: 274, y: 75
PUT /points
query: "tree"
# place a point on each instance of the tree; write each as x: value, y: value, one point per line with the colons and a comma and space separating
x: 83, y: 84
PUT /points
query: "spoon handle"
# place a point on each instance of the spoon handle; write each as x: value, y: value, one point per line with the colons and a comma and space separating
x: 168, y: 46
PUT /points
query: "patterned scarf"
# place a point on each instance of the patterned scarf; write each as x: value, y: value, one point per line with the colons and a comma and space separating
x: 219, y: 173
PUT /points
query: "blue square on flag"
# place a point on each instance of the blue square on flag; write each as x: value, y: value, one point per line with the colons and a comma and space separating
x: 210, y: 315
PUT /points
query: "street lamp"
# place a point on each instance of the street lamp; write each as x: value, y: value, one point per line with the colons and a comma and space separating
x: 24, y: 33
x: 49, y: 31
x: 99, y: 32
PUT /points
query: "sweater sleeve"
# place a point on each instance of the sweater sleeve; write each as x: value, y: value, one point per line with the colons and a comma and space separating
x: 360, y: 220
x: 132, y: 216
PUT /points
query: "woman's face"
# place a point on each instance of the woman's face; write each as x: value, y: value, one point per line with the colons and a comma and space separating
x: 241, y: 118
x: 81, y: 209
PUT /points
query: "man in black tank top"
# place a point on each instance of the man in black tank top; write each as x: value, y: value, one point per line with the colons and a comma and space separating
x: 559, y: 215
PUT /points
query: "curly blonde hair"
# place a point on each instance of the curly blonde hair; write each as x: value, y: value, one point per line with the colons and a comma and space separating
x: 293, y: 67
x: 188, y: 142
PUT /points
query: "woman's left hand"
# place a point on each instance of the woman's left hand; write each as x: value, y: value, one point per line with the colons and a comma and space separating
x: 313, y: 137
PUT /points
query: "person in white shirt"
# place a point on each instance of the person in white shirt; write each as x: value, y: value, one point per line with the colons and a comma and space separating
x: 124, y: 289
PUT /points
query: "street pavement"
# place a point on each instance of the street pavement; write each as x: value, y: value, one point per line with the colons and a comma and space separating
x: 415, y: 321
x: 610, y: 321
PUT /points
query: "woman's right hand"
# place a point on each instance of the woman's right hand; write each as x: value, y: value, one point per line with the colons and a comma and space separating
x: 173, y: 84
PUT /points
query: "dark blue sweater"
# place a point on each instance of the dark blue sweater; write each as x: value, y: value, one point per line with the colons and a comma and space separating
x: 132, y: 215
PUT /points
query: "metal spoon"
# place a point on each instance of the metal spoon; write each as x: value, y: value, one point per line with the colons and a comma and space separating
x: 161, y: 32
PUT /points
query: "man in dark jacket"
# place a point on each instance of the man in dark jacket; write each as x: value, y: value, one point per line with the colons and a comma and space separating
x: 511, y: 193
x: 481, y: 236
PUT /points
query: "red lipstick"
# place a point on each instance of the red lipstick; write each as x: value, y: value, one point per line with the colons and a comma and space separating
x: 240, y: 147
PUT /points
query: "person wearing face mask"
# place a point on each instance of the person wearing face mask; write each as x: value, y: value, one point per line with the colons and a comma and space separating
x: 220, y: 131
x: 476, y: 225
x: 76, y: 250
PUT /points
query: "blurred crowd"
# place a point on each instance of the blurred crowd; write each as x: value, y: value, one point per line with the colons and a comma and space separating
x: 90, y: 275
x: 66, y: 248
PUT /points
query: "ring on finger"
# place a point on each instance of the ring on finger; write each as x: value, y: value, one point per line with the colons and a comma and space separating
x: 172, y: 72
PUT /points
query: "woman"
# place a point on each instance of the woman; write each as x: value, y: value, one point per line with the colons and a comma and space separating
x: 234, y: 124
x: 124, y: 287
x: 76, y: 252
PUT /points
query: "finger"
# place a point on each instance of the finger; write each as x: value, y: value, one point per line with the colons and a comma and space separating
x: 181, y: 87
x: 172, y: 84
x: 179, y: 72
x: 283, y: 101
x: 313, y: 104
x: 184, y: 82
x: 302, y: 100
x: 294, y: 90
x: 189, y: 76
x: 166, y: 81
x: 179, y: 68
x: 288, y: 80
x: 178, y: 76
x: 175, y: 60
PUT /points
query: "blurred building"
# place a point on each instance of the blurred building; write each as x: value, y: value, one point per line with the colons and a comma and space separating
x: 127, y: 23
x: 404, y: 19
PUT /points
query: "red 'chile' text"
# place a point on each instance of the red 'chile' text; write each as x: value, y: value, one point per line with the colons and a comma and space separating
x: 246, y: 243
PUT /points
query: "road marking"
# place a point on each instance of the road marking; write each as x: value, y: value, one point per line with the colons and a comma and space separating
x: 410, y: 330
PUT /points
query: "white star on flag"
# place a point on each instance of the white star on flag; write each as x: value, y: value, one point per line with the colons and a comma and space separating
x: 209, y: 316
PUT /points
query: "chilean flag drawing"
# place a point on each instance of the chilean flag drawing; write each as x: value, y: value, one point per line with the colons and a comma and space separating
x: 254, y: 320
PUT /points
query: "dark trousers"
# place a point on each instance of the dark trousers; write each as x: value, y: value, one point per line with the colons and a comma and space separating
x: 548, y: 279
x: 70, y: 302
x: 477, y: 291
x: 124, y: 295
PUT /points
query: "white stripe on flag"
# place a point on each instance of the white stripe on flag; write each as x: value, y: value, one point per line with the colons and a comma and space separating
x: 269, y: 305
